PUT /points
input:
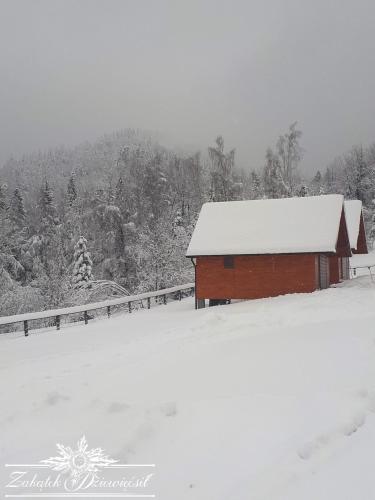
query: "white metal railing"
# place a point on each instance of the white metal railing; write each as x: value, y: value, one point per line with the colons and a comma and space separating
x: 353, y: 270
x: 85, y: 308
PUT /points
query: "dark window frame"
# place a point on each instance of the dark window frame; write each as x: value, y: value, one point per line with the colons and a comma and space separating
x: 228, y: 261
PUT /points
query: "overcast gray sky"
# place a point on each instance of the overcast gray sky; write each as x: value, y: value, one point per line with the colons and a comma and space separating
x: 73, y: 70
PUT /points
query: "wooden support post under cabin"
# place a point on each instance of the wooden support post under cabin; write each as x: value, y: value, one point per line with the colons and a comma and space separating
x: 148, y: 302
x: 109, y: 311
x: 130, y: 306
x: 57, y: 322
x: 86, y: 317
x: 26, y: 328
x: 165, y: 299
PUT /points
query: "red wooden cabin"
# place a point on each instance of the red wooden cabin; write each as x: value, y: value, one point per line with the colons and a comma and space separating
x: 263, y: 248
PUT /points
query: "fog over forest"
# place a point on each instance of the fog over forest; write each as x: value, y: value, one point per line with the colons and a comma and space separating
x: 73, y: 70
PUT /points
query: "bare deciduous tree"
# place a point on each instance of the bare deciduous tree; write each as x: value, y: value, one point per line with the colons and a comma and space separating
x: 290, y: 153
x: 221, y: 171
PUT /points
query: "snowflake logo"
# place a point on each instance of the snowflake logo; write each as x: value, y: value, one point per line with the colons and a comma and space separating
x: 78, y: 461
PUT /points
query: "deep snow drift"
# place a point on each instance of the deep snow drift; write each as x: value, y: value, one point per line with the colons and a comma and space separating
x: 266, y: 399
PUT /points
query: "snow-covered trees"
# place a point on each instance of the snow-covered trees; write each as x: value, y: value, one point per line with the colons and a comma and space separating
x: 3, y: 205
x: 126, y: 192
x: 316, y: 186
x: 289, y: 153
x: 257, y: 190
x: 222, y: 165
x: 358, y: 175
x: 139, y: 201
x: 17, y: 210
x: 46, y: 202
x: 271, y: 175
x: 280, y: 171
x: 353, y: 175
x: 82, y: 270
x: 161, y: 256
x: 71, y: 190
x: 372, y: 232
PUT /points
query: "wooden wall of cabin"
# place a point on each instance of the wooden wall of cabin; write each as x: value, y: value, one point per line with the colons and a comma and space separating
x: 345, y: 267
x: 255, y: 276
x: 334, y: 269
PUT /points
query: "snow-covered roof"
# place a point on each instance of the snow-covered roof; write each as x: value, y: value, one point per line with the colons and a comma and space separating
x: 353, y: 212
x: 287, y: 225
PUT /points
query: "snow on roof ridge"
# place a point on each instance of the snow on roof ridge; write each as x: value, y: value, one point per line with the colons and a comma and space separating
x: 281, y: 225
x: 270, y: 200
x: 353, y: 213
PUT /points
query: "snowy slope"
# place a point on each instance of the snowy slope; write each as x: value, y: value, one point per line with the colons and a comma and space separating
x: 267, y: 399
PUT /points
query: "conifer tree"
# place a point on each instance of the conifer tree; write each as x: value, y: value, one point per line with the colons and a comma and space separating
x: 359, y: 176
x: 82, y: 270
x: 46, y: 202
x: 120, y: 197
x: 317, y: 184
x: 372, y: 232
x: 256, y: 187
x: 303, y: 191
x: 72, y: 190
x: 2, y: 197
x: 17, y: 208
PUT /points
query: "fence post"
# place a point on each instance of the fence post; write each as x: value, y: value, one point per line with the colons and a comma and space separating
x: 109, y: 311
x: 26, y: 328
x: 57, y: 322
x: 165, y: 299
x: 86, y: 317
x: 148, y: 302
x: 179, y: 295
x: 130, y: 306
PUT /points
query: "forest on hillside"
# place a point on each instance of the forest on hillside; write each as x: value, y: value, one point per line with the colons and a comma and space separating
x: 123, y: 209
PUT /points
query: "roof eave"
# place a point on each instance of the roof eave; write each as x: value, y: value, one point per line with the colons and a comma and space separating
x: 310, y: 252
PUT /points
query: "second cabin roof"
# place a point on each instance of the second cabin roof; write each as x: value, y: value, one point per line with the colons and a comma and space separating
x: 286, y: 225
x: 353, y: 214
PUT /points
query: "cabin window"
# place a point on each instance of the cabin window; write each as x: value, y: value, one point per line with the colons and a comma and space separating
x: 229, y: 262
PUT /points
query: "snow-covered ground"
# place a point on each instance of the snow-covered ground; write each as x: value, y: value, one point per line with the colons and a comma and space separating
x: 266, y: 399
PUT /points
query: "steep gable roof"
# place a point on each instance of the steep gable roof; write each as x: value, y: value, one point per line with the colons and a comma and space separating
x: 287, y: 225
x: 355, y: 225
x: 353, y: 212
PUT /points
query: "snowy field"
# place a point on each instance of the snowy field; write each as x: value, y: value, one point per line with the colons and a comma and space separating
x: 267, y: 399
